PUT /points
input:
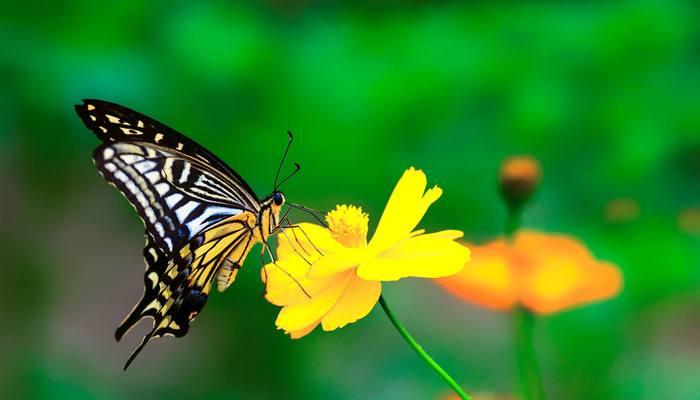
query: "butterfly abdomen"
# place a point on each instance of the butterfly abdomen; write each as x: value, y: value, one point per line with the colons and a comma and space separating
x: 227, y: 274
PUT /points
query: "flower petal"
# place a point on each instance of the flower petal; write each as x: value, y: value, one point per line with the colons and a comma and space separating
x: 342, y: 260
x: 306, y: 239
x: 356, y: 302
x: 303, y: 332
x: 285, y: 280
x: 425, y: 256
x: 487, y: 280
x: 605, y: 282
x: 302, y: 314
x: 404, y: 210
x: 562, y: 273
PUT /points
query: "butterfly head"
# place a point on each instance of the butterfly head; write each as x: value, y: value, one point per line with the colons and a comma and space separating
x: 278, y: 198
x: 270, y: 211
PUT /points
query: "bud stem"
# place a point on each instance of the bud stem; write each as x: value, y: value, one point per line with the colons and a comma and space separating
x: 512, y: 222
x: 523, y: 330
x: 528, y: 370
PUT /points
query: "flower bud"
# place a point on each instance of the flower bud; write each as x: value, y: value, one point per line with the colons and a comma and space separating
x: 519, y: 177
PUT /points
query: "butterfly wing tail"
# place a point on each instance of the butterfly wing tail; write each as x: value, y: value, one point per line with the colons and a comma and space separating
x: 132, y: 319
x: 156, y: 264
x: 172, y: 318
x: 176, y: 291
x: 138, y: 350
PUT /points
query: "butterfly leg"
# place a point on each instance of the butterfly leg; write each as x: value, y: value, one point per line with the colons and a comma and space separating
x: 284, y: 217
x: 293, y: 228
x: 274, y: 262
x: 311, y: 211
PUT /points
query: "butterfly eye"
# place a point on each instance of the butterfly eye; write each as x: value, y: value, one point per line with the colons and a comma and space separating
x: 278, y: 198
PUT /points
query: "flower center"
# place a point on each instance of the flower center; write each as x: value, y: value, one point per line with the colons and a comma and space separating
x: 348, y: 225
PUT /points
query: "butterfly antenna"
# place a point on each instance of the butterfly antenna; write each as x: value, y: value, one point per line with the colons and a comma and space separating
x: 284, y: 156
x: 297, y: 167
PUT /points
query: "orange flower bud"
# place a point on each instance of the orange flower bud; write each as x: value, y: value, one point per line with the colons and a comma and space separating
x: 519, y: 177
x: 689, y: 220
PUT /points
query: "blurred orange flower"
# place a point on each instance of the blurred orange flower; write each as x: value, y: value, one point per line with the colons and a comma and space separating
x: 689, y: 220
x: 542, y: 272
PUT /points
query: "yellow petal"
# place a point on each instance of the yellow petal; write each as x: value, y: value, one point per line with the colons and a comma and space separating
x: 356, y: 302
x: 426, y: 256
x: 339, y: 261
x: 303, y: 332
x: 301, y: 315
x: 286, y: 282
x: 306, y: 240
x: 404, y: 210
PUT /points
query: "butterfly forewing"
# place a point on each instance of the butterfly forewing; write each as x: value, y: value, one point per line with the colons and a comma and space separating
x: 114, y: 123
x: 175, y: 197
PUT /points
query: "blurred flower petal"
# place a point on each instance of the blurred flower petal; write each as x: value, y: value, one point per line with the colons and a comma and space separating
x: 545, y: 273
x: 487, y: 280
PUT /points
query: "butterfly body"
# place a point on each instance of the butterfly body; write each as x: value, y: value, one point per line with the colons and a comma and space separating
x: 201, y: 218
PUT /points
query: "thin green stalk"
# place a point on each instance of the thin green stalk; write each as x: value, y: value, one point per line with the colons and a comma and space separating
x: 528, y: 370
x: 419, y: 349
x: 523, y: 333
x: 512, y: 223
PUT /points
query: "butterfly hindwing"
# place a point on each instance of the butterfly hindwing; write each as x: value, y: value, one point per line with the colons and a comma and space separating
x: 156, y: 264
x: 177, y: 291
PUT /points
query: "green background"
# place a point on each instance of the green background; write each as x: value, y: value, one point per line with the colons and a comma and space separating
x: 606, y: 97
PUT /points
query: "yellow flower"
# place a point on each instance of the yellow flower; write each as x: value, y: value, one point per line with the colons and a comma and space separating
x: 542, y: 272
x: 333, y: 276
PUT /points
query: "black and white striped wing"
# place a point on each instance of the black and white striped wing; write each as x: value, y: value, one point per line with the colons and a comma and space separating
x: 114, y: 123
x: 177, y: 288
x: 194, y: 208
x: 176, y: 196
x: 177, y: 186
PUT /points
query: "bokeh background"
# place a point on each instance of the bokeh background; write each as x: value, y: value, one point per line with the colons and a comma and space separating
x: 605, y: 96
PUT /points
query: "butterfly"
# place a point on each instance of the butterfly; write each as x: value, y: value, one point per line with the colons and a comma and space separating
x: 201, y: 218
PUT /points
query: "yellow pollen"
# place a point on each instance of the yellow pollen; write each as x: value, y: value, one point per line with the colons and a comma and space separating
x: 348, y: 225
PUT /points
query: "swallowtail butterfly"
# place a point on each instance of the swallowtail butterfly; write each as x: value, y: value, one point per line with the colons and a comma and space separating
x: 201, y: 217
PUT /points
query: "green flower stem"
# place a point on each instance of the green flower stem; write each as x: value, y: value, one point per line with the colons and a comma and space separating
x: 529, y: 375
x: 419, y: 349
x: 512, y: 223
x: 528, y: 370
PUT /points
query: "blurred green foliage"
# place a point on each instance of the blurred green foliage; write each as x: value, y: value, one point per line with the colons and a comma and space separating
x: 606, y: 96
